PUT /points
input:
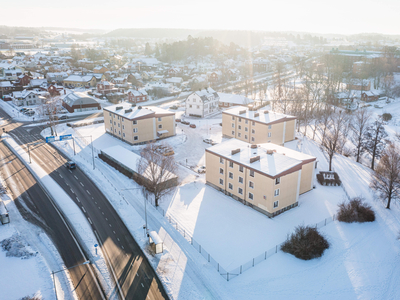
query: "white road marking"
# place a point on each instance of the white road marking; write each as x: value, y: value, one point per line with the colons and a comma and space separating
x: 83, y: 209
x: 106, y: 219
x: 81, y: 183
x: 122, y: 247
x: 88, y: 192
x: 76, y: 177
x: 90, y: 221
x: 78, y: 199
x: 70, y: 171
x: 118, y: 239
x: 60, y: 175
x: 110, y: 225
x: 114, y: 232
x: 99, y: 207
x: 142, y: 284
x: 102, y: 213
x: 72, y: 191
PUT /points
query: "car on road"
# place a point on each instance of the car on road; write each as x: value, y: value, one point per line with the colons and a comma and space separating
x: 185, y: 122
x: 29, y: 113
x: 64, y: 117
x: 177, y: 120
x: 207, y: 141
x: 23, y: 109
x: 192, y: 125
x: 201, y: 170
x: 71, y: 165
x: 173, y: 107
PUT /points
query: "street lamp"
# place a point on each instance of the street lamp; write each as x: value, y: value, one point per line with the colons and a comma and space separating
x: 62, y: 270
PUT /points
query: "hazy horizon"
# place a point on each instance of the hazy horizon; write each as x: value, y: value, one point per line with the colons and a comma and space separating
x: 341, y: 17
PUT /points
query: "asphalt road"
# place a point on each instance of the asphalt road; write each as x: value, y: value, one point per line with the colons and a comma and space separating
x: 128, y: 266
x: 37, y: 208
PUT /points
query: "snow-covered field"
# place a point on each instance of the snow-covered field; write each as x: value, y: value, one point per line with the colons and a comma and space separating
x: 361, y: 262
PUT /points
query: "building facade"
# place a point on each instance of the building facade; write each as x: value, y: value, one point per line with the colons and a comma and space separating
x: 259, y: 126
x: 202, y: 103
x: 266, y: 177
x: 136, y: 124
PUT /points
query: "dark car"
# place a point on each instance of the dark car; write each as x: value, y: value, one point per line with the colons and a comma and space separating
x: 185, y: 122
x: 63, y: 117
x: 70, y: 165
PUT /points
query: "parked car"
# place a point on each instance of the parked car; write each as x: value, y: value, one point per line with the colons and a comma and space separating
x: 201, y: 170
x: 177, y: 120
x: 192, y: 126
x: 71, y: 165
x: 173, y: 107
x: 207, y: 141
x: 185, y: 122
x: 64, y: 117
x: 23, y: 109
x: 29, y: 113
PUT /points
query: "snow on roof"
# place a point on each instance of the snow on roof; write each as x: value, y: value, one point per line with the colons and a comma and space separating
x: 77, y: 98
x: 263, y: 116
x: 127, y: 158
x: 126, y: 110
x: 206, y: 94
x: 234, y: 99
x: 5, y: 84
x: 281, y: 159
x: 79, y: 78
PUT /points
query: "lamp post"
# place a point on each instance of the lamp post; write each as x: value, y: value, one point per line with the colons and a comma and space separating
x: 63, y: 270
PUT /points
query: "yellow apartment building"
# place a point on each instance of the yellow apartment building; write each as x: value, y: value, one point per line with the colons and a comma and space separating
x: 266, y: 177
x: 256, y: 127
x: 137, y: 124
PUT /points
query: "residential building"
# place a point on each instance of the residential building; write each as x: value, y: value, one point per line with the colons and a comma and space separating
x: 57, y: 77
x: 105, y: 87
x: 228, y: 100
x: 266, y: 177
x: 80, y: 81
x: 136, y: 96
x: 25, y: 98
x: 256, y: 127
x: 6, y: 87
x: 77, y: 102
x: 137, y: 124
x: 202, y: 103
x: 359, y: 85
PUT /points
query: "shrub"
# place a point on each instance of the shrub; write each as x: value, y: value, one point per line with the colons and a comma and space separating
x: 355, y: 211
x: 386, y: 117
x: 305, y: 243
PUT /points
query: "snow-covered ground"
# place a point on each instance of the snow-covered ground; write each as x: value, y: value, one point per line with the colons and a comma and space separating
x: 361, y: 262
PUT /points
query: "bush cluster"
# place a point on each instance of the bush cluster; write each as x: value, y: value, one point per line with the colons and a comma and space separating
x: 355, y: 211
x: 305, y: 243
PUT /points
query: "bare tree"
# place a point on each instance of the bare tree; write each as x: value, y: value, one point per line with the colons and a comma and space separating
x: 157, y: 170
x: 386, y: 179
x: 374, y: 140
x: 49, y: 109
x: 335, y: 139
x: 360, y: 124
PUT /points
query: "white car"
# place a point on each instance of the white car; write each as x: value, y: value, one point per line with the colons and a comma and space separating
x: 201, y: 170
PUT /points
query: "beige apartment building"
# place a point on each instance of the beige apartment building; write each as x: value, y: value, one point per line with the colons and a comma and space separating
x: 266, y: 177
x: 137, y: 124
x: 256, y: 127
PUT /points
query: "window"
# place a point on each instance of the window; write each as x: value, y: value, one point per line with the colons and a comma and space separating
x: 123, y: 134
x: 117, y: 117
x: 277, y: 180
x: 221, y: 160
x: 190, y: 106
x: 269, y: 134
x: 253, y: 131
x: 115, y: 123
x: 250, y: 196
x: 241, y: 169
x: 194, y: 100
x: 239, y: 134
x: 246, y: 121
x: 119, y: 132
x: 230, y: 175
x: 159, y: 119
x: 119, y: 125
x: 245, y: 136
x: 135, y: 130
x: 230, y: 186
x: 122, y: 119
x: 246, y: 129
x: 221, y: 181
x: 233, y: 133
x: 252, y: 139
x: 251, y: 173
x: 253, y: 123
x: 240, y: 119
x: 233, y: 118
x: 111, y: 122
x: 198, y: 106
x: 240, y: 179
x: 239, y: 127
x: 231, y: 164
x: 221, y: 171
x: 134, y: 122
x: 276, y: 193
x: 276, y: 203
x: 251, y: 184
x: 123, y: 126
x: 136, y: 138
x: 240, y: 191
x: 269, y: 126
x: 233, y: 125
x: 160, y: 126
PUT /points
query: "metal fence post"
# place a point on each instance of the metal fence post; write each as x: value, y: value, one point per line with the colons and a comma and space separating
x: 191, y: 240
x: 240, y: 269
x: 276, y: 250
x: 325, y: 222
x: 218, y: 267
x: 253, y: 262
x: 227, y: 276
x: 200, y: 248
x: 208, y: 257
x: 265, y: 255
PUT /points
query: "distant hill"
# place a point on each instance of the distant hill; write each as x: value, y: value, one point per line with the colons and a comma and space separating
x: 240, y: 37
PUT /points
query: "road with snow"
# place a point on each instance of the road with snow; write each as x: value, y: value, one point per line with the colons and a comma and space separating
x: 133, y: 275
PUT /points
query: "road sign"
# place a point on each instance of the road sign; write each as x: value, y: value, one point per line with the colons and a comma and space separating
x: 65, y: 137
x: 96, y: 245
x: 50, y: 139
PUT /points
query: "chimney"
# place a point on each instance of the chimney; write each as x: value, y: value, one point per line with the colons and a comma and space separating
x: 270, y: 152
x: 255, y: 158
x: 253, y: 146
x: 256, y: 115
x: 266, y: 111
x: 235, y: 151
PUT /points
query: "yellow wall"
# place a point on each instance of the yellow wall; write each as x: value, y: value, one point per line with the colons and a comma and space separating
x: 307, y: 177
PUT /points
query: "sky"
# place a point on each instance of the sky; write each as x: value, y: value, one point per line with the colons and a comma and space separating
x: 340, y: 16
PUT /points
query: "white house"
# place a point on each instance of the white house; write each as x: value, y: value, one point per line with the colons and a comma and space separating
x: 202, y: 103
x: 25, y: 98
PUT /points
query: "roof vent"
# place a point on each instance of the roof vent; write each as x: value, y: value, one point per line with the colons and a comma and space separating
x: 255, y: 158
x: 253, y: 146
x: 266, y: 111
x: 242, y: 112
x: 256, y: 115
x: 235, y: 151
x: 128, y: 110
x: 270, y: 152
x: 139, y: 107
x: 119, y: 107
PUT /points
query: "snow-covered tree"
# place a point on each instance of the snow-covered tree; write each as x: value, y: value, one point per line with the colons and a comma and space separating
x: 386, y: 179
x: 374, y: 140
